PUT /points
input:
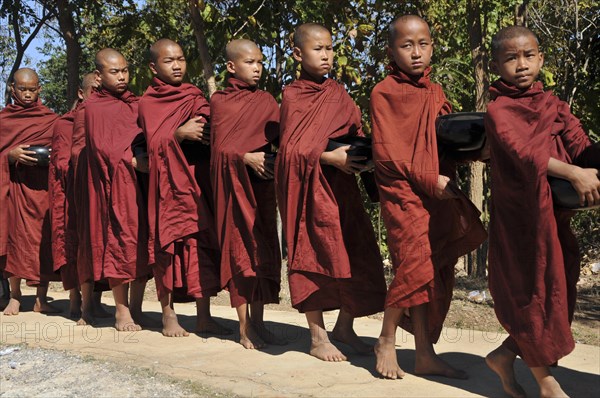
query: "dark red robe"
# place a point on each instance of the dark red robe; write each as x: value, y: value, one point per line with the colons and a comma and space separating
x: 533, y: 254
x: 245, y: 119
x: 25, y: 223
x: 333, y: 257
x: 63, y: 255
x: 117, y: 206
x: 183, y: 242
x: 426, y: 236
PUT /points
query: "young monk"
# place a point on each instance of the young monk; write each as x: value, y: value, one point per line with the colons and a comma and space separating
x: 244, y: 123
x: 430, y: 223
x: 117, y: 208
x: 534, y: 257
x: 64, y: 250
x: 183, y: 243
x: 25, y: 250
x: 333, y: 257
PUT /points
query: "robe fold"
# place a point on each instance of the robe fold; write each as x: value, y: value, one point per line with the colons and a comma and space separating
x: 117, y: 206
x: 25, y: 222
x: 426, y: 235
x: 245, y: 119
x: 64, y: 256
x: 183, y: 243
x: 533, y: 254
x: 333, y: 257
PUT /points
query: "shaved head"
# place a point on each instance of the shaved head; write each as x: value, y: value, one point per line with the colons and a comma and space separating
x: 89, y: 80
x: 161, y: 44
x: 26, y: 75
x: 303, y: 31
x: 507, y: 33
x: 105, y: 56
x: 236, y: 48
x: 397, y: 23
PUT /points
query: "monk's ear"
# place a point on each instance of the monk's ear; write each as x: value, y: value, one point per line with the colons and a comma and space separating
x: 297, y: 54
x: 541, y: 55
x: 494, y: 67
x: 12, y: 88
x: 231, y: 67
x: 152, y: 66
x: 80, y: 94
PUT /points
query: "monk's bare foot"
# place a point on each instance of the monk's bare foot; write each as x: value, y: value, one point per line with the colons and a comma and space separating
x: 13, y: 306
x: 86, y: 319
x: 268, y: 337
x: 349, y: 337
x: 210, y: 326
x: 172, y: 328
x: 326, y: 351
x: 387, y: 359
x: 145, y: 321
x: 433, y: 365
x: 250, y: 339
x: 125, y: 323
x: 501, y: 361
x: 549, y: 388
x: 45, y: 307
x: 100, y: 312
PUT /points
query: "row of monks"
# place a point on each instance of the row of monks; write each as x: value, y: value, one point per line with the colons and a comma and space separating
x: 170, y: 186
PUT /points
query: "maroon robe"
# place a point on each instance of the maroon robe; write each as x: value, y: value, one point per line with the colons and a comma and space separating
x: 245, y: 119
x: 25, y: 246
x: 183, y: 242
x: 117, y: 206
x: 534, y: 256
x: 426, y: 235
x: 63, y: 255
x: 333, y: 257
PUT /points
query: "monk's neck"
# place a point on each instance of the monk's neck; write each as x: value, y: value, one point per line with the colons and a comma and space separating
x: 304, y: 75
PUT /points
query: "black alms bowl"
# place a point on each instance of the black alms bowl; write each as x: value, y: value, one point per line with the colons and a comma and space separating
x: 361, y: 146
x: 461, y: 132
x: 42, y: 154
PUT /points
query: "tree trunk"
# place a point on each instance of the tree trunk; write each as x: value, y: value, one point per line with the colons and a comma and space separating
x: 205, y: 58
x: 477, y: 260
x: 71, y: 38
x: 521, y: 13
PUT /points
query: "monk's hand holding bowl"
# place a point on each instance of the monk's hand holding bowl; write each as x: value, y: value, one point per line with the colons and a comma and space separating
x: 257, y: 162
x: 20, y: 154
x: 445, y: 188
x: 587, y: 185
x: 193, y: 130
x: 339, y: 158
x: 141, y: 163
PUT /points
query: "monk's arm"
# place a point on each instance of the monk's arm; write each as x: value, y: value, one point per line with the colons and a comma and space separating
x: 192, y: 130
x: 585, y: 181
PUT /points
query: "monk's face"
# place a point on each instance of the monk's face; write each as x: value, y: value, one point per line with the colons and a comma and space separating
x: 412, y: 48
x: 247, y: 66
x: 519, y: 61
x: 26, y: 89
x: 114, y: 74
x: 316, y: 53
x: 170, y: 65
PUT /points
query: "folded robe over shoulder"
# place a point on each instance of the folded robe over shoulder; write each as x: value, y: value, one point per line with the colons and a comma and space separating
x: 426, y: 236
x: 183, y: 242
x: 533, y: 257
x: 117, y: 207
x: 245, y: 119
x: 64, y: 258
x: 25, y: 222
x: 333, y: 257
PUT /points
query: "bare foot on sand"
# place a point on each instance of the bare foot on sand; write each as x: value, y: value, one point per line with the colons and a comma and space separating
x: 13, y: 306
x: 433, y: 365
x: 349, y: 337
x: 86, y: 319
x: 45, y: 307
x: 125, y: 323
x: 501, y: 361
x: 549, y: 388
x: 267, y: 336
x: 326, y: 351
x: 387, y: 359
x: 172, y: 328
x: 250, y: 339
x: 210, y: 326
